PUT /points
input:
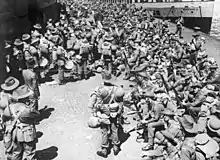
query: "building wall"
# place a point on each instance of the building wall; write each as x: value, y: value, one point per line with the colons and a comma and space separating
x: 13, y: 22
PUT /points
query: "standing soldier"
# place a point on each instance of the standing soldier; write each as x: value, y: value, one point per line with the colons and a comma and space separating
x: 106, y: 103
x: 107, y: 53
x: 31, y: 80
x: 8, y: 87
x: 20, y: 132
x: 26, y: 41
x: 84, y: 53
x: 179, y: 26
x: 61, y: 64
x: 17, y: 60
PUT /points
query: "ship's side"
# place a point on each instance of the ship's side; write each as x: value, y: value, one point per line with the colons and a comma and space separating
x: 195, y: 13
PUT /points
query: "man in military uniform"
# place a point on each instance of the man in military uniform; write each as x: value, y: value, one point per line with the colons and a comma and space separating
x: 84, y: 52
x: 20, y: 132
x: 106, y: 103
x: 9, y: 85
x: 60, y: 52
x: 17, y: 60
x: 31, y: 80
x: 107, y: 53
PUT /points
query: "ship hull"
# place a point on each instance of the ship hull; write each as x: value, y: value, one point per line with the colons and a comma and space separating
x: 194, y: 13
x: 191, y: 22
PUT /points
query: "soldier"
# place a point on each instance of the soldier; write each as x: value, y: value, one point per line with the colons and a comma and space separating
x: 106, y: 102
x: 107, y: 53
x: 179, y: 26
x: 20, y: 132
x: 61, y: 64
x: 85, y: 50
x: 26, y: 38
x: 8, y: 87
x: 37, y: 28
x: 17, y: 61
x: 31, y: 80
x: 189, y: 128
x: 155, y: 122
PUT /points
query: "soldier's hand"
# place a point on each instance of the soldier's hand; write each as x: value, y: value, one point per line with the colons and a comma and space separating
x: 144, y: 121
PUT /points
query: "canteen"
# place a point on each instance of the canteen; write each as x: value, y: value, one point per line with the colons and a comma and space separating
x: 43, y: 62
x: 69, y: 64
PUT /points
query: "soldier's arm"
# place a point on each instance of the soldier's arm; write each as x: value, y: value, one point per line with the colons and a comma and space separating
x: 177, y: 83
x: 35, y: 86
x: 199, y: 100
x: 92, y: 102
x: 120, y: 110
x: 185, y: 153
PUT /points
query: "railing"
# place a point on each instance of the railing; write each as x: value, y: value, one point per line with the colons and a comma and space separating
x: 154, y: 1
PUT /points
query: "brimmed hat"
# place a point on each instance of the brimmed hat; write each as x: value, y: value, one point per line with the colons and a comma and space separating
x: 108, y: 38
x: 10, y: 84
x: 168, y: 112
x: 18, y: 42
x: 34, y: 40
x: 196, y: 85
x: 207, y: 145
x: 85, y: 41
x: 196, y: 34
x: 22, y: 92
x: 213, y: 124
x: 37, y: 26
x: 188, y: 124
x: 197, y: 28
x: 25, y: 37
x: 53, y: 31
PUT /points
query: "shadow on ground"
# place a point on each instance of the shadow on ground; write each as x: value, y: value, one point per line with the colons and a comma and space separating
x: 123, y: 137
x: 45, y: 113
x: 48, y: 153
x: 38, y: 135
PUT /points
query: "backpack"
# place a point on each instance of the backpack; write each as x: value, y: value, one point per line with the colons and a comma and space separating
x: 106, y: 49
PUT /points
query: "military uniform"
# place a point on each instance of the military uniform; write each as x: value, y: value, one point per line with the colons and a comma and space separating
x: 107, y: 55
x: 101, y: 100
x: 31, y: 80
x: 61, y: 63
x: 84, y: 52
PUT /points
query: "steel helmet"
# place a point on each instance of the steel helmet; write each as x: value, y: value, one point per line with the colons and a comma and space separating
x: 93, y: 122
x: 119, y: 93
x: 102, y: 92
x: 114, y: 47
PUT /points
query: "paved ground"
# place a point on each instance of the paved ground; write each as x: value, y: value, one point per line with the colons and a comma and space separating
x: 63, y: 132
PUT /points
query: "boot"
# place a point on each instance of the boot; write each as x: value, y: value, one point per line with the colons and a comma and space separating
x: 116, y: 150
x: 103, y: 153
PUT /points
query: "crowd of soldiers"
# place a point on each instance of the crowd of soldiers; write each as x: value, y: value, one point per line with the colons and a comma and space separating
x: 174, y: 94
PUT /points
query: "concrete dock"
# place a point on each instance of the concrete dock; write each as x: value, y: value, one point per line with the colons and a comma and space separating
x: 212, y: 45
x: 63, y: 133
